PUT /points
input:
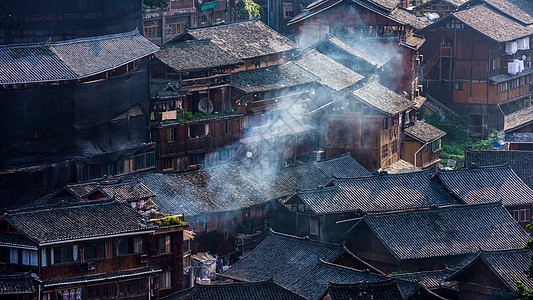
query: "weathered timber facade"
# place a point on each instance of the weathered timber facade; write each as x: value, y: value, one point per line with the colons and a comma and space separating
x: 422, y: 145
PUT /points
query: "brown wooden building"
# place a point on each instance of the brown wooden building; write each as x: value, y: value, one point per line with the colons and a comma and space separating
x: 163, y: 24
x: 440, y: 7
x: 494, y: 273
x: 93, y: 250
x: 474, y: 67
x: 434, y: 238
x: 422, y: 145
x: 368, y: 123
x: 518, y: 128
x: 194, y: 121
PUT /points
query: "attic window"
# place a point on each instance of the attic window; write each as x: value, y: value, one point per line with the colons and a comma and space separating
x: 288, y: 10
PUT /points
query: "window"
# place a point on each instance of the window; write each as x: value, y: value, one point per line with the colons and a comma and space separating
x: 503, y: 86
x: 313, y: 226
x: 151, y: 28
x: 64, y: 254
x: 164, y: 245
x: 426, y: 148
x: 301, y: 207
x: 198, y: 131
x: 196, y: 159
x: 145, y: 160
x: 203, y: 19
x: 174, y: 28
x: 394, y: 147
x: 94, y: 250
x: 227, y: 128
x: 436, y: 145
x: 129, y: 245
x: 165, y: 280
x: 515, y: 214
x: 171, y: 136
x: 13, y: 256
x: 524, y: 215
x: 218, y: 15
x: 288, y: 10
x: 496, y: 63
x: 30, y: 257
x: 44, y: 258
x: 386, y: 123
x: 458, y: 86
x: 384, y: 151
x: 513, y: 84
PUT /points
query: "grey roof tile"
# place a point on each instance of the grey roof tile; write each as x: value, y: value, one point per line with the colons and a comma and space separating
x: 51, y: 225
x: 71, y: 59
x: 429, y: 279
x: 195, y: 55
x: 383, y: 98
x: 487, y: 184
x: 424, y: 132
x: 282, y: 257
x: 447, y: 231
x: 386, y: 290
x: 521, y: 10
x: 520, y: 161
x: 342, y: 166
x: 519, y: 137
x: 360, y: 48
x: 152, y: 268
x: 518, y: 119
x: 128, y: 190
x: 377, y: 194
x: 16, y: 284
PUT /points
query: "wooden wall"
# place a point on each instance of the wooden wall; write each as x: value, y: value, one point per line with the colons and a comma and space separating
x: 478, y: 282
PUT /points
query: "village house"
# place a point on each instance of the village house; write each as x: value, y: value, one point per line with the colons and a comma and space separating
x: 277, y: 14
x: 328, y: 213
x: 387, y: 289
x: 518, y: 128
x: 20, y: 286
x: 194, y: 122
x: 494, y: 273
x: 92, y: 250
x: 475, y: 68
x: 270, y: 48
x: 434, y: 281
x: 491, y: 184
x: 440, y: 7
x: 422, y: 145
x: 521, y: 162
x: 83, y: 118
x: 163, y: 24
x: 368, y: 123
x: 434, y: 238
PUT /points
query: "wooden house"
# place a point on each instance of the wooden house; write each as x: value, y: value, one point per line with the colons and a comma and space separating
x: 475, y: 68
x: 18, y: 286
x: 422, y: 145
x: 435, y: 281
x: 276, y: 102
x: 518, y: 128
x: 163, y: 24
x: 521, y: 162
x: 328, y: 213
x: 491, y: 184
x: 270, y: 47
x: 440, y: 7
x: 195, y: 122
x: 368, y: 123
x: 388, y: 289
x: 434, y: 238
x: 94, y: 249
x: 494, y: 273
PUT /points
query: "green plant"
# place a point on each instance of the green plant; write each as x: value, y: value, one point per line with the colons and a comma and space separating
x: 524, y: 292
x: 169, y: 221
x: 248, y: 9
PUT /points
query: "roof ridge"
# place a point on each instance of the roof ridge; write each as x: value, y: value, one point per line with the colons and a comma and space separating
x: 502, y: 166
x: 225, y: 24
x: 385, y: 175
x: 431, y: 208
x: 71, y: 205
x: 304, y: 238
x: 321, y: 261
x: 96, y: 38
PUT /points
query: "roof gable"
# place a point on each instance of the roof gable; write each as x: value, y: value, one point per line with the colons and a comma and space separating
x: 424, y: 132
x: 447, y: 231
x: 383, y: 98
x: 487, y: 184
x: 71, y: 59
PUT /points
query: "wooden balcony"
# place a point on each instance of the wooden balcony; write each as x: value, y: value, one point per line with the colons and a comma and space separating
x: 203, y: 83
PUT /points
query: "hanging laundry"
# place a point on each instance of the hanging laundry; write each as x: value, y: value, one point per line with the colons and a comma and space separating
x: 523, y: 43
x: 511, y: 47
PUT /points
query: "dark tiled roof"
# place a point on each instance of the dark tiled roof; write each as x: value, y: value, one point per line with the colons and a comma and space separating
x: 122, y: 191
x: 520, y: 161
x: 164, y: 90
x: 71, y: 59
x: 429, y: 279
x: 493, y: 24
x: 447, y: 231
x: 342, y: 166
x: 388, y: 4
x: 508, y: 265
x: 487, y: 184
x: 104, y: 276
x: 378, y: 194
x: 245, y: 39
x: 195, y: 55
x: 16, y: 284
x: 385, y: 290
x: 313, y: 9
x: 332, y: 74
x: 314, y: 283
x: 237, y: 291
x: 401, y: 166
x: 518, y: 119
x: 16, y: 240
x: 521, y: 10
x: 424, y: 132
x: 228, y: 187
x: 383, y: 98
x: 272, y: 78
x: 507, y: 77
x: 50, y: 225
x: 284, y: 258
x: 360, y: 48
x: 519, y: 137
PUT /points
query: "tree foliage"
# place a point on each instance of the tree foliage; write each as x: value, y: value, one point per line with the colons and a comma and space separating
x: 248, y: 9
x: 152, y: 4
x: 522, y: 291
